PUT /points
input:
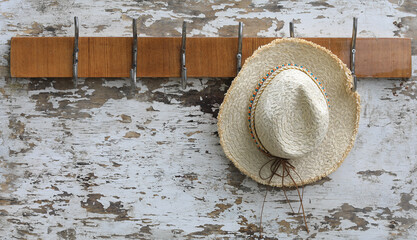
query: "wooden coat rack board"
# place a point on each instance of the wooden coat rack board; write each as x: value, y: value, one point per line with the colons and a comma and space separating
x: 206, y: 57
x: 111, y: 57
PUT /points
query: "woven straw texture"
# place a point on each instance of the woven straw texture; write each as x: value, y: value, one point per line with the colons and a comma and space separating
x: 291, y: 115
x: 235, y: 138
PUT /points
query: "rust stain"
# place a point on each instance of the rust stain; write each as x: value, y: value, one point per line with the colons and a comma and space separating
x: 407, y: 26
x: 405, y: 88
x: 411, y: 31
x: 397, y: 24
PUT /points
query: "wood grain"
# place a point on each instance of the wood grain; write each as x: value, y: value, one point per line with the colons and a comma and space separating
x: 205, y: 57
x: 104, y: 57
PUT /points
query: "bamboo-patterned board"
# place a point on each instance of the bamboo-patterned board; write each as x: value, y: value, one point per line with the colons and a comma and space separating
x: 205, y: 57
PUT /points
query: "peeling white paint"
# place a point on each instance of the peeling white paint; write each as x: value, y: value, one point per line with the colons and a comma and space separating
x: 63, y: 147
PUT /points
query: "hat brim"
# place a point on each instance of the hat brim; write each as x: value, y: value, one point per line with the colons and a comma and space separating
x: 344, y: 112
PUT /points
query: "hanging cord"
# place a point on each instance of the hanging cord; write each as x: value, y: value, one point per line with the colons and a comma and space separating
x: 286, y: 172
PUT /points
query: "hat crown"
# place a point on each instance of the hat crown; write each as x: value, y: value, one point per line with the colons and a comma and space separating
x: 292, y: 115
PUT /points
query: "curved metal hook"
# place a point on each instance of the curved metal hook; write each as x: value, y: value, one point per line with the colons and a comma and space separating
x: 353, y: 53
x: 134, y: 54
x: 183, y: 68
x: 239, y: 51
x: 292, y: 29
x: 75, y: 53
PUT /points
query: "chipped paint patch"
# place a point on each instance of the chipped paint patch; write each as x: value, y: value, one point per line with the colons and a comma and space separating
x: 208, y: 230
x: 93, y: 205
x: 350, y: 213
x: 220, y: 208
x: 68, y: 234
x: 372, y: 175
x: 405, y: 202
x: 405, y: 88
x: 321, y: 4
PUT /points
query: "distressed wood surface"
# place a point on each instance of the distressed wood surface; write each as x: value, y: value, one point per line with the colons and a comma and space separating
x: 102, y: 161
x: 205, y: 57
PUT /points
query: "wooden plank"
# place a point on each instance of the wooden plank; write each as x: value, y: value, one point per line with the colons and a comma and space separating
x: 104, y: 57
x: 206, y: 57
x: 41, y: 57
x: 159, y: 57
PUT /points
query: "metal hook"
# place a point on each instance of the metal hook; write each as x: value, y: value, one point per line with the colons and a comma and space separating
x: 239, y: 51
x: 291, y: 29
x: 134, y: 54
x: 183, y: 68
x: 75, y: 53
x: 353, y: 53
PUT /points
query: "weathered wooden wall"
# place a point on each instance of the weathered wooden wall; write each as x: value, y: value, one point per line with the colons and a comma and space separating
x: 101, y: 161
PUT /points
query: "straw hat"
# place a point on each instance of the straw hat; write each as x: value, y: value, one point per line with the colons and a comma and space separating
x: 291, y: 100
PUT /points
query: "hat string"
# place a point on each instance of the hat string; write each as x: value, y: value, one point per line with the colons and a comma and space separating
x: 277, y: 162
x: 287, y: 167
